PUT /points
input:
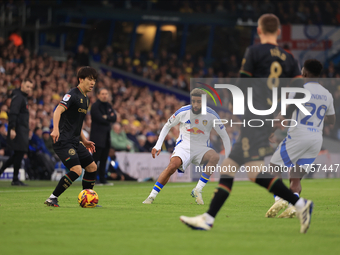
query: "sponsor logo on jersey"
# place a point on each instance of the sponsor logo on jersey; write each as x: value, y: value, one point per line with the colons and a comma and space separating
x: 82, y: 110
x: 188, y: 122
x: 195, y: 131
x: 66, y: 97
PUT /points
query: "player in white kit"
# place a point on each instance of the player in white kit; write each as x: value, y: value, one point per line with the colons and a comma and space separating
x: 192, y: 145
x: 303, y: 142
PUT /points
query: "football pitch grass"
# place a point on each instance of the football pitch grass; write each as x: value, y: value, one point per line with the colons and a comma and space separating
x: 126, y: 226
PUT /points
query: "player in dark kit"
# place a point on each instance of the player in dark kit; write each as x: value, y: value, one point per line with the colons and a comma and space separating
x: 70, y: 144
x: 270, y: 61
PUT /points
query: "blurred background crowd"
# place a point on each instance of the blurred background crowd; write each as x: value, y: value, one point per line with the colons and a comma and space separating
x: 289, y: 12
x: 141, y: 113
x: 294, y: 12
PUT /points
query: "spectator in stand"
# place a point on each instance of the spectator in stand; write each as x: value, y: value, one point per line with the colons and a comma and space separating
x: 82, y: 58
x: 151, y: 139
x: 39, y: 155
x: 3, y: 143
x: 168, y: 144
x: 95, y: 54
x: 233, y: 67
x: 4, y: 118
x: 115, y: 173
x: 132, y: 136
x: 16, y: 38
x: 119, y: 140
x: 48, y: 140
x: 186, y: 8
x: 141, y: 143
x: 102, y: 116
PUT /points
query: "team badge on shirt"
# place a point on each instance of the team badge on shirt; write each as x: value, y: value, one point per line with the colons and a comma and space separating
x: 205, y: 122
x: 66, y: 97
x: 81, y: 100
x: 71, y: 152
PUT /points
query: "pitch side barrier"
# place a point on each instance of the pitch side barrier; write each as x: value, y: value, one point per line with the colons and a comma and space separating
x: 141, y: 165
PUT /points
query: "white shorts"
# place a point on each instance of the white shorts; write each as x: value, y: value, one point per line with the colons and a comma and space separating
x: 188, y: 155
x: 300, y: 150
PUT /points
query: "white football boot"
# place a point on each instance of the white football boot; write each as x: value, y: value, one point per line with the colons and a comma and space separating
x: 198, y: 196
x: 149, y: 200
x: 197, y: 223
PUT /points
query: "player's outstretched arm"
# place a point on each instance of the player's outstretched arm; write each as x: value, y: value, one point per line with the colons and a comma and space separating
x: 56, y: 118
x: 157, y: 149
x: 172, y: 121
x: 155, y: 152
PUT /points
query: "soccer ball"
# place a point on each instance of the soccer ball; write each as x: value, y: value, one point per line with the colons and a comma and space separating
x: 88, y: 198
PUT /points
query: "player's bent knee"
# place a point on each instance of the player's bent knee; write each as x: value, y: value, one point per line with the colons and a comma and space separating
x: 172, y: 168
x: 91, y: 167
x: 77, y: 169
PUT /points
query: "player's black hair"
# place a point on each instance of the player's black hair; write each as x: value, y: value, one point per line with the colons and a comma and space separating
x: 313, y: 66
x: 87, y: 72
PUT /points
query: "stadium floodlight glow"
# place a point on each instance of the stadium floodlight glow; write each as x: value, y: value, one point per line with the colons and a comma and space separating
x: 238, y: 100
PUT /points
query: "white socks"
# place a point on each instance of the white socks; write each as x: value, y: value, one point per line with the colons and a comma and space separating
x: 300, y: 204
x: 153, y: 193
x: 202, y: 182
x: 208, y: 218
x: 53, y: 196
x: 200, y: 185
x: 276, y: 198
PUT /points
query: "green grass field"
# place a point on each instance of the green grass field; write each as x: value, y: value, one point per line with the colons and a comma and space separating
x: 126, y: 226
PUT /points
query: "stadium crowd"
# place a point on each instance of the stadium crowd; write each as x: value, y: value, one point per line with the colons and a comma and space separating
x: 141, y: 114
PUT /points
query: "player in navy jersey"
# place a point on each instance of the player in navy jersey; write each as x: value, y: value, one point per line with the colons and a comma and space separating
x: 70, y: 144
x: 267, y: 61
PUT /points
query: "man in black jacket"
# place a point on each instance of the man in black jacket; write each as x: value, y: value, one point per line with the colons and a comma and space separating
x: 102, y: 116
x: 18, y: 129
